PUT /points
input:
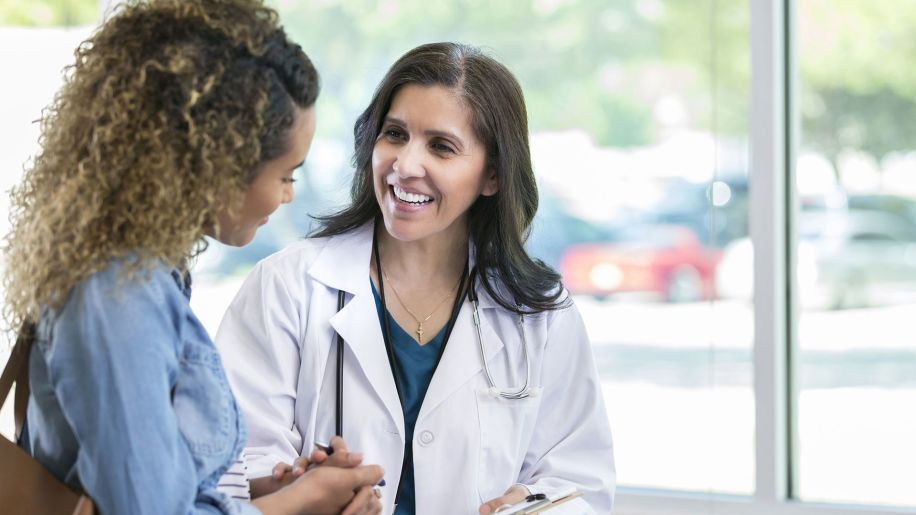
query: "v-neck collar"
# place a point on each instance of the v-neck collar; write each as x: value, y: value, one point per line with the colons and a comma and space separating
x: 434, y: 343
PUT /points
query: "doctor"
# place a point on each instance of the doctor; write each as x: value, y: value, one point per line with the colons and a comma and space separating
x: 463, y: 416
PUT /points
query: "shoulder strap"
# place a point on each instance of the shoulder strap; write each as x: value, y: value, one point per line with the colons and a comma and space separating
x: 17, y: 371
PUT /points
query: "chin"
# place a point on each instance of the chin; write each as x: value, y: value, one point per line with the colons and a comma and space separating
x: 405, y: 231
x: 238, y: 240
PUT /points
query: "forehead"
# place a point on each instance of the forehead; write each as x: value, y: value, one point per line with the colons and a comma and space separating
x: 432, y: 108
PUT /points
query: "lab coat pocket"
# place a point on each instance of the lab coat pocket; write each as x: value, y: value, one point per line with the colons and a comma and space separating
x: 506, y: 426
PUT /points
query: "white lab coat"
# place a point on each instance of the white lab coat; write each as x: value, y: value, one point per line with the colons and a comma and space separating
x: 278, y: 344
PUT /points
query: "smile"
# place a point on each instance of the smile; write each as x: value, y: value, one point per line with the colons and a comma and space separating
x: 410, y: 198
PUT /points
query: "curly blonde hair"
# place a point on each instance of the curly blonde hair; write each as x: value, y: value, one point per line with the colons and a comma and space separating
x: 164, y: 118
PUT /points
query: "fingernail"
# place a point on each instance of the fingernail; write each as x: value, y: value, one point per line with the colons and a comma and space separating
x: 382, y: 482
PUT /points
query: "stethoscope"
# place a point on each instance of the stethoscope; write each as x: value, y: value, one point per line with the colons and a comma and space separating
x: 510, y: 393
x: 467, y: 282
x: 505, y: 393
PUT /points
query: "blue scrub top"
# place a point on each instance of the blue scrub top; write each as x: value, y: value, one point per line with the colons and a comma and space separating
x: 415, y: 364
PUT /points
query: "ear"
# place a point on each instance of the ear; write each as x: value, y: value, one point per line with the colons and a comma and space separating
x: 490, y: 185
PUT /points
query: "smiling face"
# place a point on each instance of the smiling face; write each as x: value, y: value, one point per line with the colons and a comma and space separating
x: 272, y: 186
x: 428, y: 166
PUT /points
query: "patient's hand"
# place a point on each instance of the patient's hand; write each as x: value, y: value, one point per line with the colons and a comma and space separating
x: 514, y: 494
x: 284, y: 473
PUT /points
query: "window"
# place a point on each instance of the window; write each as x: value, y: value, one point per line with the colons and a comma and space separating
x: 665, y: 191
x: 856, y: 258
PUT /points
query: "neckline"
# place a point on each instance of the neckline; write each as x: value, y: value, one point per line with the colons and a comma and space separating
x: 434, y: 342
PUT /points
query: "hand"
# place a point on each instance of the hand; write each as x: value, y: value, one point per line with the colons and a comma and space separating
x: 366, y: 502
x: 283, y: 473
x: 514, y: 494
x: 327, y: 490
x: 341, y: 457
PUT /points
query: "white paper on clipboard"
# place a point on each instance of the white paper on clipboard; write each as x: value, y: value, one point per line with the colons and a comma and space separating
x: 554, y: 504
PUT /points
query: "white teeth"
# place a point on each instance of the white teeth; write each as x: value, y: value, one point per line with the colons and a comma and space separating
x: 414, y: 198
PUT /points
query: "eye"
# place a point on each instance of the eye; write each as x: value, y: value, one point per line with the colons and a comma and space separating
x: 393, y: 133
x: 289, y: 180
x: 439, y: 146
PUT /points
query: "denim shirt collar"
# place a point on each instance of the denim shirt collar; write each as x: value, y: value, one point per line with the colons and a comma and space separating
x: 183, y: 282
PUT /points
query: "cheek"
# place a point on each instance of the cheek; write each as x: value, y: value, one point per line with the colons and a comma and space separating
x: 380, y: 165
x: 380, y: 162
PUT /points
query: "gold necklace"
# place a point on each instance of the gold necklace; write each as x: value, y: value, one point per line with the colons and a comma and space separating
x: 419, y: 330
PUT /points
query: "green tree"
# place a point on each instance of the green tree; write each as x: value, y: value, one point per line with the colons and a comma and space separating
x: 48, y: 13
x: 562, y: 52
x: 858, y: 81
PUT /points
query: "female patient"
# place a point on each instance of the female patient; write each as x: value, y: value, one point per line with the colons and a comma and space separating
x: 464, y: 417
x: 180, y: 119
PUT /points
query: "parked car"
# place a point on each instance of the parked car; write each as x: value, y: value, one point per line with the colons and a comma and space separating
x: 554, y: 229
x: 851, y: 257
x: 665, y: 262
x: 716, y: 211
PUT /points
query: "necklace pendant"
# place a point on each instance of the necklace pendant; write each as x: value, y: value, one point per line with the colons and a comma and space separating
x: 420, y: 332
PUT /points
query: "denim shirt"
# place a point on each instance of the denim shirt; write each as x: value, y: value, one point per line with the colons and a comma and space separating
x: 129, y: 401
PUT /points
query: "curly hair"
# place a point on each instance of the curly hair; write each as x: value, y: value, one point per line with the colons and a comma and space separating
x: 164, y: 119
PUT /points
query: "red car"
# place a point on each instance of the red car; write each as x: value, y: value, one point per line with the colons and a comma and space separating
x: 667, y: 262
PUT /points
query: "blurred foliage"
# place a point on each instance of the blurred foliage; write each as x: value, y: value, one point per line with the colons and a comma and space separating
x: 623, y: 70
x: 858, y: 81
x: 580, y: 62
x: 607, y: 67
x: 48, y: 13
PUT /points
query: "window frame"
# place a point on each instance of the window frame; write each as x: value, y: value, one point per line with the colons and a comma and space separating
x: 774, y: 135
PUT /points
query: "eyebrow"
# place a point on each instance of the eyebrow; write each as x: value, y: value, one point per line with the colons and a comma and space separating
x: 298, y: 165
x: 431, y: 132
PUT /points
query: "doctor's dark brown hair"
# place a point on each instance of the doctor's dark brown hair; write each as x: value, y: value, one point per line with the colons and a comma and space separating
x: 498, y: 224
x: 165, y: 118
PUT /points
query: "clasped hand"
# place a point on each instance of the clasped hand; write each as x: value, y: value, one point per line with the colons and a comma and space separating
x: 322, y: 484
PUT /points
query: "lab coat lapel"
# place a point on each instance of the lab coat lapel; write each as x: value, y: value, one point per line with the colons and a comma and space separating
x: 461, y: 360
x: 344, y: 265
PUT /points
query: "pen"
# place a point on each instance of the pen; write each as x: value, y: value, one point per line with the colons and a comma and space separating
x: 327, y: 449
x: 324, y: 447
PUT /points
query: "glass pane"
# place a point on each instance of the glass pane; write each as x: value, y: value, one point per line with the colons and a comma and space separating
x: 856, y: 178
x: 638, y: 116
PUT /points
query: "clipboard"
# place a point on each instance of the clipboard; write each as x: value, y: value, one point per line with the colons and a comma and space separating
x: 539, y: 505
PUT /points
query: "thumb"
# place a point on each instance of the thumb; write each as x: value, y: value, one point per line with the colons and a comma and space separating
x: 368, y: 475
x: 491, y: 506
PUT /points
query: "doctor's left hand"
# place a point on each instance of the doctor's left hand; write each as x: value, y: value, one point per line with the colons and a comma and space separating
x: 514, y: 494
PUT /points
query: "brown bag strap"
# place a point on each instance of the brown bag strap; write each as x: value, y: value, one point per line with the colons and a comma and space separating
x: 17, y: 371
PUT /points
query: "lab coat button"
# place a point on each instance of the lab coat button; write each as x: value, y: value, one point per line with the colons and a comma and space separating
x: 426, y: 437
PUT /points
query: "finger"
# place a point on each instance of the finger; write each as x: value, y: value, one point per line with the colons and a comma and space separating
x: 280, y: 469
x: 354, y: 458
x: 363, y: 502
x: 368, y: 475
x: 318, y: 457
x: 485, y: 509
x: 338, y: 444
x: 300, y: 465
x: 493, y: 504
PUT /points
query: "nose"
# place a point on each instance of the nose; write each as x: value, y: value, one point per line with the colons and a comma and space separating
x: 288, y: 194
x: 409, y: 161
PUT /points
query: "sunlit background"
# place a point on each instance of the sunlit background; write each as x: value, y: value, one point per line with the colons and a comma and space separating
x: 639, y: 131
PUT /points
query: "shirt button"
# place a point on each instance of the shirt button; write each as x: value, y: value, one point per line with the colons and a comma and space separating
x: 426, y: 437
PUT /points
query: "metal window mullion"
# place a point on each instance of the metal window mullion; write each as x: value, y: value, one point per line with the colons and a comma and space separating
x: 642, y: 502
x: 768, y: 230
